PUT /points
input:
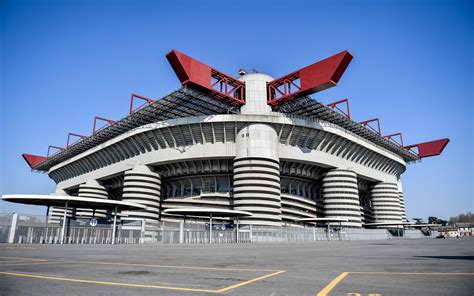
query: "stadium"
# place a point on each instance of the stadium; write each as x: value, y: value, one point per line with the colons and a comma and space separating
x: 256, y: 149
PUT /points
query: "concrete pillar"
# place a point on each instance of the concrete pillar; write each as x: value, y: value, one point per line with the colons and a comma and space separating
x: 386, y: 202
x: 256, y: 179
x: 11, y: 234
x: 143, y: 186
x: 341, y: 197
x: 402, y: 201
x: 56, y: 213
x: 92, y: 189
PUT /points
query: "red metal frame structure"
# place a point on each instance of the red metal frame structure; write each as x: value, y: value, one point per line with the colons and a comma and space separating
x: 135, y: 96
x: 308, y: 80
x: 390, y: 138
x: 366, y: 124
x: 73, y: 135
x: 33, y: 160
x: 334, y: 105
x: 428, y: 149
x: 94, y: 130
x: 195, y: 73
x: 54, y: 147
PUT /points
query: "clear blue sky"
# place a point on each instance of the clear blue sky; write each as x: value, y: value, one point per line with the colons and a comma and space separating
x: 64, y: 62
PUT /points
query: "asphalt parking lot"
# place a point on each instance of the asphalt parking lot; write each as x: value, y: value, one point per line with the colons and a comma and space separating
x: 383, y: 267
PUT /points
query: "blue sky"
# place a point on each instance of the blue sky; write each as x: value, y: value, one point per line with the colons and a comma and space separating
x: 63, y: 62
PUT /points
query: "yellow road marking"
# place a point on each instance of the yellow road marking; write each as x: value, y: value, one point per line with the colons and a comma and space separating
x: 11, y: 261
x: 22, y: 258
x: 172, y: 266
x: 411, y: 273
x: 248, y: 282
x: 106, y: 283
x: 34, y: 263
x: 151, y: 265
x: 332, y: 284
x: 276, y: 272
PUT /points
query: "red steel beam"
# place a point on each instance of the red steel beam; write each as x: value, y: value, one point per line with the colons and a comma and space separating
x: 334, y: 105
x: 308, y: 80
x: 390, y: 137
x: 94, y: 130
x: 54, y: 147
x: 135, y: 96
x: 366, y: 124
x: 431, y: 148
x: 33, y: 160
x: 73, y: 135
x: 195, y: 73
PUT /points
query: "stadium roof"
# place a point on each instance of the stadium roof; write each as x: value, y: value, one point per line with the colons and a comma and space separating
x: 186, y: 102
x: 208, y: 91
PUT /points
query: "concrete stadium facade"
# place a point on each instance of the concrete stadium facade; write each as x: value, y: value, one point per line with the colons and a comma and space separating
x: 282, y: 164
x: 279, y: 167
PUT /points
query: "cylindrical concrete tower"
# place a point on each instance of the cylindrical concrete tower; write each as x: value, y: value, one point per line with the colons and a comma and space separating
x: 386, y: 202
x: 92, y: 189
x: 402, y: 201
x: 56, y: 213
x: 256, y: 165
x: 143, y: 186
x: 341, y: 197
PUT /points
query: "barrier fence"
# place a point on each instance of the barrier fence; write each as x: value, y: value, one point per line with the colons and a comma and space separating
x: 32, y: 229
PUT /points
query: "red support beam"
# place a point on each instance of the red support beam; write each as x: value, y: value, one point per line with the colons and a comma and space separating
x: 334, y: 105
x: 108, y: 121
x: 195, y: 73
x: 428, y: 149
x: 308, y: 80
x: 390, y: 137
x: 366, y: 124
x: 33, y: 160
x: 73, y: 135
x: 54, y: 147
x: 135, y: 96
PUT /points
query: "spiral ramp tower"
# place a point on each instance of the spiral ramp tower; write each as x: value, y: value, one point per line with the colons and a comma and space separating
x: 92, y: 189
x: 143, y: 186
x: 386, y: 203
x: 341, y: 197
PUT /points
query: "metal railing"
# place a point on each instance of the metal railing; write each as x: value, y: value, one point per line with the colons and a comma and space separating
x: 32, y: 229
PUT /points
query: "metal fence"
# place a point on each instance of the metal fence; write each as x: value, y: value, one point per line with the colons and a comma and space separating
x: 32, y: 229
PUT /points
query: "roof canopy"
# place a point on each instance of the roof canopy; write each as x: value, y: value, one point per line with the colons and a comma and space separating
x: 72, y: 201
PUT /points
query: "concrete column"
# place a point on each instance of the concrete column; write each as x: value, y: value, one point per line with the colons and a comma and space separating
x: 341, y: 197
x: 143, y: 186
x: 256, y: 165
x: 11, y: 234
x: 92, y: 189
x: 56, y: 213
x: 386, y: 202
x: 402, y: 201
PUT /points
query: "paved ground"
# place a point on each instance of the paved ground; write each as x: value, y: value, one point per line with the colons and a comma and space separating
x: 389, y: 267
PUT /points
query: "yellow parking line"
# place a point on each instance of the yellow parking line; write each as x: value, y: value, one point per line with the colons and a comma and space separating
x: 148, y: 265
x: 332, y: 284
x: 340, y: 277
x: 23, y: 258
x: 411, y: 273
x: 106, y: 283
x: 249, y: 281
x: 35, y: 263
x: 171, y: 266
